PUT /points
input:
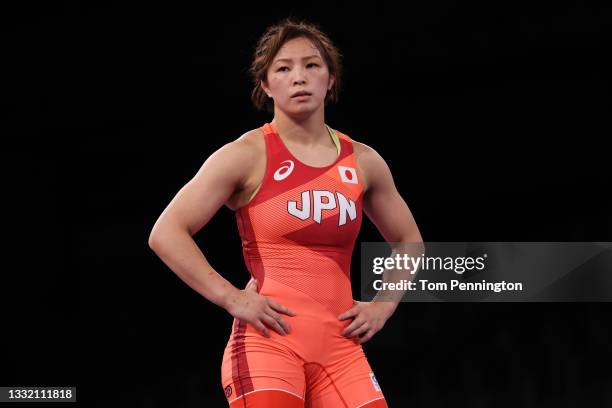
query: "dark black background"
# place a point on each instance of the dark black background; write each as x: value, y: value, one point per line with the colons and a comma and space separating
x: 492, y: 118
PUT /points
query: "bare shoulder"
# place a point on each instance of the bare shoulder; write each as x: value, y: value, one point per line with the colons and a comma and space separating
x: 243, y: 150
x: 365, y: 152
x: 253, y: 138
x: 233, y: 162
x: 249, y: 145
x: 372, y: 165
x: 246, y: 159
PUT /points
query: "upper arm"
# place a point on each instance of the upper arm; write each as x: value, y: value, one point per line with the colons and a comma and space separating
x: 220, y: 176
x: 382, y: 203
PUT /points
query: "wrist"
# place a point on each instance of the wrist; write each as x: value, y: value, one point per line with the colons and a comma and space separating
x: 229, y: 299
x: 387, y: 307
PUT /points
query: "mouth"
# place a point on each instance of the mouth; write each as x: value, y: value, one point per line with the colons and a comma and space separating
x: 301, y: 93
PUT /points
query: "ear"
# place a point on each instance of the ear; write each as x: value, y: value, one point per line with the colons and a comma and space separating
x: 266, y: 89
x: 332, y: 79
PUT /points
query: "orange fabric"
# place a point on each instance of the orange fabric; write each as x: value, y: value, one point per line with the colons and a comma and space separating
x: 298, y: 234
x: 381, y: 403
x: 301, y: 226
x: 268, y: 399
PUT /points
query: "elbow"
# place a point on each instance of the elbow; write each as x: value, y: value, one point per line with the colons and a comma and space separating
x: 163, y: 232
x: 153, y: 240
x: 156, y: 236
x: 413, y: 236
x: 417, y: 238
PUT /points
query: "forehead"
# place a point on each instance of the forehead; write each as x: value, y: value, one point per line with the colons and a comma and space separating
x: 297, y: 48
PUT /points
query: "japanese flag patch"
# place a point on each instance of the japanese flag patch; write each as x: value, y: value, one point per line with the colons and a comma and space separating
x: 348, y: 174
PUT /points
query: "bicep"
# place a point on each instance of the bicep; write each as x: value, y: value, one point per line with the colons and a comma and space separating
x: 385, y: 206
x: 198, y: 200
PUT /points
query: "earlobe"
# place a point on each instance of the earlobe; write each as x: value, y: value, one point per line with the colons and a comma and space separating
x: 265, y: 88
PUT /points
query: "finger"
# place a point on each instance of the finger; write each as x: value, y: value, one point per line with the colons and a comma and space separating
x: 274, y: 324
x: 357, y: 323
x: 366, y: 337
x: 349, y: 313
x: 280, y: 308
x: 262, y: 328
x: 361, y: 330
x: 279, y: 319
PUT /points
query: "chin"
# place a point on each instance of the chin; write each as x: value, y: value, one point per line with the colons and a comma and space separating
x: 301, y: 113
x: 303, y: 110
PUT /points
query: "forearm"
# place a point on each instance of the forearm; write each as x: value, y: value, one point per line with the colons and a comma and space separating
x: 180, y: 253
x: 402, y: 272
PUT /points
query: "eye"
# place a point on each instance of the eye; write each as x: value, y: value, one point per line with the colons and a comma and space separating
x: 282, y: 69
x: 313, y: 63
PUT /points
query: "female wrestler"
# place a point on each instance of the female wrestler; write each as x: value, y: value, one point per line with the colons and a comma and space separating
x: 298, y: 188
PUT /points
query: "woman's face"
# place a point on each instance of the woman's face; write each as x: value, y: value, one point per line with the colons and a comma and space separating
x: 298, y: 68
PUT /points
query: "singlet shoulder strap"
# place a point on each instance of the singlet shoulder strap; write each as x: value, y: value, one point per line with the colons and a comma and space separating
x: 335, y: 138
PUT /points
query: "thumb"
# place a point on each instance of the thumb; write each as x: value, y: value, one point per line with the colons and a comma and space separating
x: 252, y: 285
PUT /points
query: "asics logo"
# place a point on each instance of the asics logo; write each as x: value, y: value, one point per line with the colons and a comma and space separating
x: 284, y: 171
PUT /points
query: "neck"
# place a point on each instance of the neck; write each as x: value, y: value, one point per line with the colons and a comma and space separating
x: 310, y: 130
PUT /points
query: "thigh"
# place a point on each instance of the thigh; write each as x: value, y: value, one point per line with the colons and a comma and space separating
x: 347, y: 384
x: 267, y: 399
x: 256, y: 369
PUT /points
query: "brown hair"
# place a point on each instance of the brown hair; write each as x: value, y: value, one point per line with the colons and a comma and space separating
x: 271, y: 42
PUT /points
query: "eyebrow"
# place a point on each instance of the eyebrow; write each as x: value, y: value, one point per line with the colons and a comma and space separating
x: 303, y: 59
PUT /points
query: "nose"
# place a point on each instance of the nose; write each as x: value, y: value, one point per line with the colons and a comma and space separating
x: 299, y: 76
